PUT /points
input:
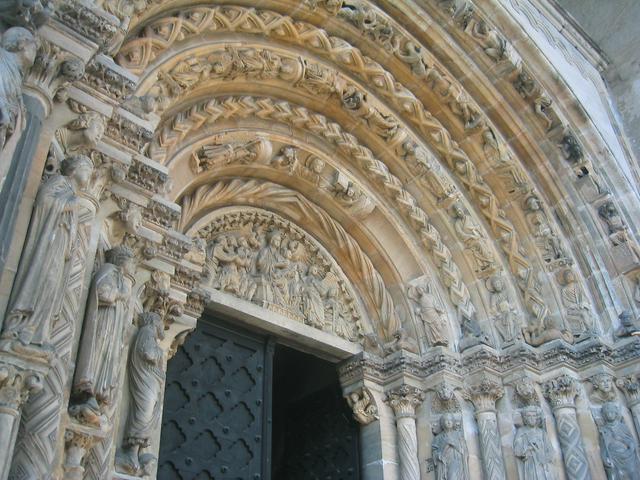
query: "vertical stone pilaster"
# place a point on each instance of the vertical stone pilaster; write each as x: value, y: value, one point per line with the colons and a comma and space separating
x: 561, y: 392
x: 631, y: 388
x: 18, y: 380
x: 483, y: 396
x: 404, y: 400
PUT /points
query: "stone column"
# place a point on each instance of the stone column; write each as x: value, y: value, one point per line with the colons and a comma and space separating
x: 561, y: 392
x: 18, y: 380
x: 484, y: 396
x: 18, y: 173
x: 631, y: 388
x: 404, y: 400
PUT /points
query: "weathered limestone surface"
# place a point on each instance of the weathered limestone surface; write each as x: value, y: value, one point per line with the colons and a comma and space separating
x: 409, y: 189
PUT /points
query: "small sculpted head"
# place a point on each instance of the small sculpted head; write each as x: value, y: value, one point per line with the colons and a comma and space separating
x: 610, y: 412
x: 78, y: 168
x: 532, y: 417
x: 123, y: 257
x: 22, y: 43
x: 448, y: 422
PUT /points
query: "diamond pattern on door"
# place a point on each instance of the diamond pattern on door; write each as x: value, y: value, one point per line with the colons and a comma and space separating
x: 213, y: 408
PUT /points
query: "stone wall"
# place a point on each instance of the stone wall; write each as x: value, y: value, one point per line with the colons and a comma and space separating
x: 413, y: 191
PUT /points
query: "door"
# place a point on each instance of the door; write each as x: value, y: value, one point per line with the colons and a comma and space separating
x: 216, y: 408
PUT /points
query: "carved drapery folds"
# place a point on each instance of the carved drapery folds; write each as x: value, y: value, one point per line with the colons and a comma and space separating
x: 532, y: 447
x: 45, y: 264
x: 449, y: 449
x: 146, y: 377
x: 618, y: 446
x: 267, y: 260
x: 364, y: 407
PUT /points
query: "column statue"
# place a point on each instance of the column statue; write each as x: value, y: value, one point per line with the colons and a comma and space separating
x: 618, y: 447
x: 532, y: 447
x: 145, y: 384
x: 17, y: 54
x: 106, y: 318
x: 43, y: 271
x: 449, y: 450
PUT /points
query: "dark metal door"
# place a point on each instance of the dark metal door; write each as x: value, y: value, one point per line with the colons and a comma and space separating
x: 321, y: 439
x: 215, y: 414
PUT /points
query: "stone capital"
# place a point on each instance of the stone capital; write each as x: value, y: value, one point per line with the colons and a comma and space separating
x: 363, y: 405
x: 484, y: 395
x: 630, y: 385
x: 17, y: 382
x: 404, y: 400
x: 561, y: 392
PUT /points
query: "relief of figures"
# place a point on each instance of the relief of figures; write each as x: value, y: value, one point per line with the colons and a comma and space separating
x: 106, y: 318
x: 474, y: 240
x: 618, y: 446
x: 268, y: 267
x: 43, y: 272
x: 449, y: 450
x: 532, y: 447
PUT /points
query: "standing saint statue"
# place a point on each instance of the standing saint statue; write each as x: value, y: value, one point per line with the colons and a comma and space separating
x: 145, y: 385
x: 270, y: 265
x: 449, y: 450
x: 106, y: 318
x: 576, y: 304
x: 312, y: 298
x: 431, y: 313
x: 17, y: 54
x: 618, y: 447
x: 43, y: 271
x: 532, y: 447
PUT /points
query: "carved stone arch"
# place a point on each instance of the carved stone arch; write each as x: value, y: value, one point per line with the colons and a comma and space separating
x: 378, y: 301
x: 282, y: 27
x: 527, y: 275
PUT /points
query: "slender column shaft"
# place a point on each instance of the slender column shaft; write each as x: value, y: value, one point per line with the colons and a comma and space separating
x: 18, y: 174
x: 492, y: 462
x: 404, y: 400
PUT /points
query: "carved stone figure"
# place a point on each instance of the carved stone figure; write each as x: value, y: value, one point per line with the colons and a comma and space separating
x: 210, y: 156
x: 363, y: 406
x: 44, y: 266
x: 618, y: 446
x: 603, y: 387
x: 106, y: 318
x: 25, y: 13
x: 17, y: 54
x: 270, y: 265
x: 449, y: 450
x: 628, y: 325
x: 81, y: 134
x: 472, y: 333
x: 473, y: 239
x: 145, y: 384
x: 532, y: 447
x: 429, y: 310
x: 546, y: 239
x: 577, y: 306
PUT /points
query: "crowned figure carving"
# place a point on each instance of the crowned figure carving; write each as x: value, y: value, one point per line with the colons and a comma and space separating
x: 44, y: 266
x: 17, y: 54
x: 106, y: 318
x: 618, y: 446
x: 532, y: 447
x: 449, y: 450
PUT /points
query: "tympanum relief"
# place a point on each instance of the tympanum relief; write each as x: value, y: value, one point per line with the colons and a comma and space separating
x: 267, y: 260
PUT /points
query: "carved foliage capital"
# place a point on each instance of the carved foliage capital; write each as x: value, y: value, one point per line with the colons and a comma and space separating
x: 561, y: 391
x: 404, y: 400
x: 16, y: 385
x: 484, y: 394
x: 630, y: 385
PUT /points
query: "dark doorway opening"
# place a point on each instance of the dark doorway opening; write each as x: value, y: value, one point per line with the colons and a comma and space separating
x: 314, y: 435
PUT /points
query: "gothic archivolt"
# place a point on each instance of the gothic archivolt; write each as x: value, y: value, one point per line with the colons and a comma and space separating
x: 418, y: 192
